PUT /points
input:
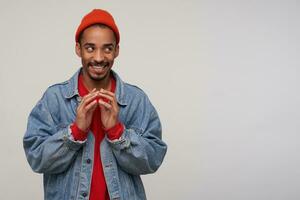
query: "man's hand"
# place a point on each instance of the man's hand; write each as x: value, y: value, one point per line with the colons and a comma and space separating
x: 85, y: 110
x: 109, y: 108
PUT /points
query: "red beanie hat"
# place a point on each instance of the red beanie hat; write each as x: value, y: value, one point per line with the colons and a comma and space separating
x: 98, y: 16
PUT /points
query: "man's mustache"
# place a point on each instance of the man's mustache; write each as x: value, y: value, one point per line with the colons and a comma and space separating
x: 99, y: 64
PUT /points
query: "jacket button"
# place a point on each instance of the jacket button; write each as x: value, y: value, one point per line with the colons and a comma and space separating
x: 88, y: 161
x: 84, y: 194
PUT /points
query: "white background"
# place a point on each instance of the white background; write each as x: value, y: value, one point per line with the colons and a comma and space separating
x: 223, y: 75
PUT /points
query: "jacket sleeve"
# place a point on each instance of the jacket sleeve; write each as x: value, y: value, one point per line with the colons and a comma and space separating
x: 140, y: 149
x: 49, y: 146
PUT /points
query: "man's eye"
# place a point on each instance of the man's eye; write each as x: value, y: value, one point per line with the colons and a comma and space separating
x: 89, y: 49
x: 108, y: 49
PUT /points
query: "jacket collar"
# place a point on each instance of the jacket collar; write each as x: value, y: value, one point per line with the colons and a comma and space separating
x: 71, y: 89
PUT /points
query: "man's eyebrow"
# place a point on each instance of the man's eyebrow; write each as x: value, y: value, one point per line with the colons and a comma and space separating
x: 92, y: 44
x: 88, y: 44
x: 108, y: 44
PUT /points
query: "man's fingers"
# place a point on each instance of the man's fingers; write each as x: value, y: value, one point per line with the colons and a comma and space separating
x: 106, y: 105
x: 107, y: 92
x: 92, y: 93
x: 91, y: 106
x: 89, y: 101
x: 88, y: 98
x: 110, y: 98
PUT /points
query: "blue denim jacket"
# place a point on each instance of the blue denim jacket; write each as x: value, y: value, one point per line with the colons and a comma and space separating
x: 67, y: 165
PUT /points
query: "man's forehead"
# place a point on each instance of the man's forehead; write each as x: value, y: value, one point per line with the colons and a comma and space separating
x: 97, y: 35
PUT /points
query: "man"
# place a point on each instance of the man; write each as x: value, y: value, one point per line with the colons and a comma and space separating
x: 94, y: 135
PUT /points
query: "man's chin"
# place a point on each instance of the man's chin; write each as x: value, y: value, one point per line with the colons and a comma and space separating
x: 101, y: 77
x: 97, y: 76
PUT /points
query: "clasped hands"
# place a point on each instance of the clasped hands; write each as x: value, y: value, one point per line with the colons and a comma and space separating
x: 108, y: 105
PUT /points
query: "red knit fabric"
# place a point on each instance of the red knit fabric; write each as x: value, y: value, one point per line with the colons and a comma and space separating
x: 98, y: 16
x: 78, y: 134
x: 98, y: 189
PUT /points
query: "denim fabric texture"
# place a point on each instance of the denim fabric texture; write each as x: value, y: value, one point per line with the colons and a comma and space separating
x: 67, y: 165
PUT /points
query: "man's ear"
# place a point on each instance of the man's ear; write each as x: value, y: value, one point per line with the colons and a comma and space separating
x: 78, y: 49
x: 117, y: 51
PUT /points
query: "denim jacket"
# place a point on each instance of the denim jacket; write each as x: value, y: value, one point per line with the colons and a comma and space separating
x: 67, y: 165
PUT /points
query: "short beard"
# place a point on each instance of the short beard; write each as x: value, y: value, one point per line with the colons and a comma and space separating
x: 99, y: 79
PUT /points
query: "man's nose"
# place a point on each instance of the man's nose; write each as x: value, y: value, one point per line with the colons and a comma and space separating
x: 99, y: 55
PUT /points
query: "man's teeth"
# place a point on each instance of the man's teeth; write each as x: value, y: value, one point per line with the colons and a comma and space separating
x: 98, y: 66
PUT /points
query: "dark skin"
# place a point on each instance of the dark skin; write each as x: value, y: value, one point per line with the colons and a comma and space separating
x: 97, y: 50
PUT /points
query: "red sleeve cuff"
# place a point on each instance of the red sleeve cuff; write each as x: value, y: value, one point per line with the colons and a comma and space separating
x: 78, y: 134
x: 115, y: 132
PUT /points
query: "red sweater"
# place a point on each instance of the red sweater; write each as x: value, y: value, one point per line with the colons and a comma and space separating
x: 98, y: 190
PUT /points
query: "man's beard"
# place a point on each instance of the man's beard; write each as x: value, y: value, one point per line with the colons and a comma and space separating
x: 94, y: 64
